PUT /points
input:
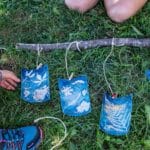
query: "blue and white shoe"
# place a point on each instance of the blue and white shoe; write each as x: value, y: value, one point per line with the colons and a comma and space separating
x: 25, y: 138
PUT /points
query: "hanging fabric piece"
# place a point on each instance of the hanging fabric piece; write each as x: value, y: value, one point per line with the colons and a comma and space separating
x: 116, y: 114
x: 116, y: 111
x: 35, y: 84
x: 74, y: 95
x: 147, y: 74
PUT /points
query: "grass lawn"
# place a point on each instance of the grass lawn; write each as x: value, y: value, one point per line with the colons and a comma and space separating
x: 49, y: 21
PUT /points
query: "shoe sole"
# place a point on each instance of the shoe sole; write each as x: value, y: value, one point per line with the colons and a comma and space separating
x: 34, y: 145
x: 41, y: 138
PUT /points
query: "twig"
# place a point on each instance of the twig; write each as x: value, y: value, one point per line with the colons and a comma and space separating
x: 133, y: 42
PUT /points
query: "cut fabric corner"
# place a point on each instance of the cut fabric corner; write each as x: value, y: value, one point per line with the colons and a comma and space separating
x: 116, y: 114
x: 74, y: 95
x: 147, y: 74
x: 35, y: 86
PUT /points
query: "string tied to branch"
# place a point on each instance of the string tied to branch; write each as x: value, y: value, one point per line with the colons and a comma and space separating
x: 104, y: 68
x: 66, y: 57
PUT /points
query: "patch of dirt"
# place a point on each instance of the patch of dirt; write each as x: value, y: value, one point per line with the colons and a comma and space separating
x: 6, y: 62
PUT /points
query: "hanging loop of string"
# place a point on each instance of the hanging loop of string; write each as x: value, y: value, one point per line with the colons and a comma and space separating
x: 39, y: 50
x: 66, y: 60
x: 57, y: 119
x: 3, y: 48
x: 104, y: 67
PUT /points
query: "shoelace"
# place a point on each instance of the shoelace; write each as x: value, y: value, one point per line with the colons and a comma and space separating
x: 13, y: 139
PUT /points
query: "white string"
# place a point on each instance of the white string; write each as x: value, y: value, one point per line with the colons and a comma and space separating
x: 3, y: 48
x: 65, y: 128
x: 66, y: 55
x: 104, y: 66
x: 39, y: 50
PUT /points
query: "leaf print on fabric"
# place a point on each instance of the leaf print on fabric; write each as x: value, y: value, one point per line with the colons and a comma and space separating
x: 74, y: 101
x: 26, y: 93
x: 67, y: 91
x: 40, y: 94
x: 84, y: 92
x: 116, y: 119
x: 78, y: 82
x: 74, y: 95
x: 40, y: 79
x: 111, y: 127
x: 35, y: 84
x: 30, y: 74
x: 116, y: 114
x: 84, y: 106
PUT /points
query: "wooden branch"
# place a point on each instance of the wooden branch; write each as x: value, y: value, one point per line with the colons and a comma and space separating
x: 133, y: 42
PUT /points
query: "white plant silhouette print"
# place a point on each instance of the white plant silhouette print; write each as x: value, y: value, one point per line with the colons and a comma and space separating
x: 75, y: 100
x: 35, y: 84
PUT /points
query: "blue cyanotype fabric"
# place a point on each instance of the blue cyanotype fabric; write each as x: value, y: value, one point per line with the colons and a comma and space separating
x: 147, y: 74
x: 116, y: 114
x: 74, y: 95
x: 35, y: 84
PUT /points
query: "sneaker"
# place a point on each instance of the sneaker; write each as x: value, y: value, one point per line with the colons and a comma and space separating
x: 25, y: 138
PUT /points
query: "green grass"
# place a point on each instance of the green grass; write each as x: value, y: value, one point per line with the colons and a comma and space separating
x: 49, y: 21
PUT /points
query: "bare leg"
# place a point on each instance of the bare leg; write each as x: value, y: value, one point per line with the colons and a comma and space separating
x: 81, y: 5
x: 121, y: 10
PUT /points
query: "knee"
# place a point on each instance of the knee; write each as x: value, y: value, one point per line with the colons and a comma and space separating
x: 74, y: 5
x: 80, y: 5
x: 118, y: 15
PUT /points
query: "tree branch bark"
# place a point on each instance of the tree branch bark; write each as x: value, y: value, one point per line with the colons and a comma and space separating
x: 133, y: 42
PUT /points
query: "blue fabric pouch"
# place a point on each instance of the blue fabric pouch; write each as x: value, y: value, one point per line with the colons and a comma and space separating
x: 147, y: 74
x: 74, y: 95
x: 35, y: 84
x: 116, y: 114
